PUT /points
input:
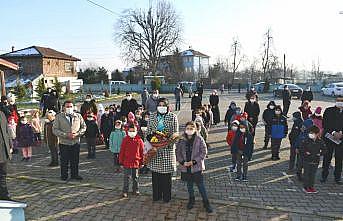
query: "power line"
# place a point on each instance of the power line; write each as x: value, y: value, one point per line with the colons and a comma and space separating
x: 103, y: 7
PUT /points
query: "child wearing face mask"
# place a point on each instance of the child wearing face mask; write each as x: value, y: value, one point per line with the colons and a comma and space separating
x: 267, y: 118
x: 190, y: 153
x: 312, y: 148
x: 305, y: 110
x: 116, y: 139
x: 242, y: 146
x: 92, y: 132
x: 25, y: 138
x: 229, y: 138
x: 279, y: 130
x: 131, y: 159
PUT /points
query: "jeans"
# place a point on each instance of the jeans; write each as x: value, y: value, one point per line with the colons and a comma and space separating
x: 69, y: 154
x: 310, y: 170
x: 201, y: 188
x: 133, y: 173
x: 242, y: 161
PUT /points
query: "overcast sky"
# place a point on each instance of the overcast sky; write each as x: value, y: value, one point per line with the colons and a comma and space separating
x: 306, y: 30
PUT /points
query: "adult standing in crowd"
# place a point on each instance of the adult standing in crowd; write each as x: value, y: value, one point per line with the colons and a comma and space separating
x: 152, y: 102
x: 51, y: 139
x: 307, y: 95
x: 106, y: 126
x: 200, y: 90
x: 214, y: 102
x: 128, y: 105
x: 144, y: 96
x: 53, y: 102
x: 13, y: 107
x: 88, y: 105
x: 69, y: 127
x: 44, y: 101
x: 164, y: 163
x: 286, y: 99
x: 5, y: 156
x: 178, y: 92
x: 252, y: 108
x: 195, y: 104
x: 267, y: 117
x: 333, y: 128
x: 4, y: 106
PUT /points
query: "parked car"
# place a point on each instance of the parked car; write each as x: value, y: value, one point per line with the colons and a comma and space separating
x: 333, y: 89
x: 117, y: 82
x: 296, y: 91
x: 259, y: 87
x: 186, y: 85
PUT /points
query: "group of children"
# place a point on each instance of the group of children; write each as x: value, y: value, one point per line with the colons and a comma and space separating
x: 305, y: 139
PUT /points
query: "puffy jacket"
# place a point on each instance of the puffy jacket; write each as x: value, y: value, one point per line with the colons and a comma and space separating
x: 151, y: 104
x: 307, y: 96
x: 304, y: 133
x: 253, y: 110
x: 92, y: 130
x: 318, y: 121
x: 268, y: 113
x: 25, y: 135
x: 229, y: 138
x: 296, y: 128
x: 312, y: 149
x: 195, y: 102
x: 116, y: 139
x: 128, y: 106
x: 131, y: 152
x: 248, y: 144
x: 106, y: 124
x: 332, y: 121
x: 279, y: 127
x: 305, y: 113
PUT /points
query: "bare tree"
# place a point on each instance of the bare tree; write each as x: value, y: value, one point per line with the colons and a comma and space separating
x: 237, y: 58
x: 316, y: 72
x: 266, y: 54
x: 145, y: 34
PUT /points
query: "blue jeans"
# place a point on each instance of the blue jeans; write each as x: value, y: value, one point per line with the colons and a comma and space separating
x: 201, y: 188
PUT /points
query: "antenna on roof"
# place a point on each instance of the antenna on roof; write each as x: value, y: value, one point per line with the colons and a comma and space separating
x: 12, y: 48
x: 190, y: 47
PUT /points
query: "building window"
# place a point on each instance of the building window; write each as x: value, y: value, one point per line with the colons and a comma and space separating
x: 51, y: 81
x: 48, y: 62
x: 46, y: 81
x: 68, y: 67
x: 20, y: 65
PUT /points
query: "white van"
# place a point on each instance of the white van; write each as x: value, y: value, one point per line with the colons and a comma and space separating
x: 118, y: 82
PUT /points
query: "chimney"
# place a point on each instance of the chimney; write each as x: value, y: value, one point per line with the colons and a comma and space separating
x: 12, y: 48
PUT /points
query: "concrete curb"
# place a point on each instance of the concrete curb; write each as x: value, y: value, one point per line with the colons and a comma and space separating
x: 250, y: 205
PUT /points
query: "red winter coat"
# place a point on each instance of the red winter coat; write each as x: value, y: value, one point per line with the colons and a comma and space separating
x: 229, y: 137
x: 131, y: 152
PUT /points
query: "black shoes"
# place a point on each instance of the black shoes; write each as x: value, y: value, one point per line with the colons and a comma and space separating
x: 208, y: 207
x: 64, y: 178
x: 191, y: 203
x: 52, y: 164
x: 338, y: 182
x: 79, y: 178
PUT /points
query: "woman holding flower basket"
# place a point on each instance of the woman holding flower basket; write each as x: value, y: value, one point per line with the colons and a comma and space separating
x: 162, y: 134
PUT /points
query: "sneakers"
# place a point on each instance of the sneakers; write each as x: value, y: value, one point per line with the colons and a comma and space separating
x: 79, y: 178
x: 233, y: 169
x: 124, y: 195
x: 245, y: 179
x: 238, y: 178
x: 313, y: 190
x: 307, y: 190
x: 136, y: 193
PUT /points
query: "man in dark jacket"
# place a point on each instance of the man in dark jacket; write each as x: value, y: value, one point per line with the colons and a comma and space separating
x: 106, y: 126
x: 88, y: 106
x: 5, y: 156
x: 43, y: 101
x: 200, y: 90
x: 214, y: 102
x: 267, y: 116
x: 286, y: 99
x: 53, y: 102
x: 307, y: 95
x: 195, y: 104
x: 178, y: 94
x: 4, y: 106
x: 333, y: 137
x: 128, y: 105
x: 253, y: 109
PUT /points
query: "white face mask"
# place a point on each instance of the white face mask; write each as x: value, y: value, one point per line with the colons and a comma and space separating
x: 144, y: 129
x: 118, y: 127
x: 88, y: 99
x: 252, y: 100
x: 23, y: 121
x: 189, y: 132
x: 312, y: 136
x: 243, y: 130
x: 132, y: 134
x: 69, y: 110
x: 128, y: 98
x: 106, y: 112
x: 195, y: 95
x: 272, y: 107
x: 147, y: 119
x: 90, y: 118
x: 316, y: 114
x: 155, y: 95
x: 118, y: 110
x: 339, y: 104
x: 278, y: 112
x: 162, y: 109
x: 234, y: 128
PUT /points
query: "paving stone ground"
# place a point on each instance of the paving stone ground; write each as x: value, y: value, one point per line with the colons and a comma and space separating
x: 270, y: 194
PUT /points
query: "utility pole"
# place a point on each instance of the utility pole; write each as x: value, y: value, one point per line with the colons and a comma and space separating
x: 284, y: 68
x: 265, y: 65
x: 234, y: 45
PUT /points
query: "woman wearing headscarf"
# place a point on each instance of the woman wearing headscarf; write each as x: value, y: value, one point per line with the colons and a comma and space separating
x: 164, y: 163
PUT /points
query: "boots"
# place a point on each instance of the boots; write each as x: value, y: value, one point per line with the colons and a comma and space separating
x: 208, y: 207
x: 191, y: 203
x: 93, y: 152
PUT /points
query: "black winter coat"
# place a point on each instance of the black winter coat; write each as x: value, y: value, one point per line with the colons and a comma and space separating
x: 128, y: 106
x: 307, y: 96
x: 253, y: 110
x: 92, y: 130
x: 312, y: 149
x: 332, y: 121
x: 106, y: 124
x: 195, y: 102
x: 286, y: 96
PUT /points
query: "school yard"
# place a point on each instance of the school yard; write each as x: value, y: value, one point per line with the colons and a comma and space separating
x: 270, y: 194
